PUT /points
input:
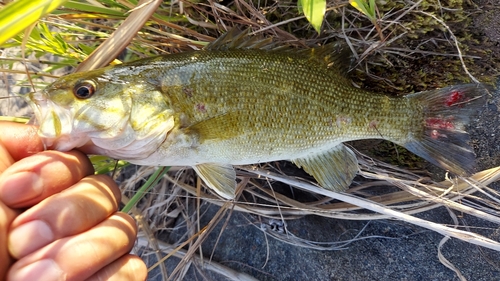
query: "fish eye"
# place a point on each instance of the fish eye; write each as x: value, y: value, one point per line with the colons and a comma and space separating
x: 84, y: 89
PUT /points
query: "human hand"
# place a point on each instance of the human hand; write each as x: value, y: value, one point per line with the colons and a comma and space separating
x: 58, y: 221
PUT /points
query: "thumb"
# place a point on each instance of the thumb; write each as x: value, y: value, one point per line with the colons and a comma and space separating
x: 17, y: 141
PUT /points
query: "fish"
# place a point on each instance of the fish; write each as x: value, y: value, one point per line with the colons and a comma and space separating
x: 244, y: 100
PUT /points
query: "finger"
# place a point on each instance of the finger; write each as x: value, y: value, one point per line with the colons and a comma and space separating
x: 5, y: 159
x: 6, y: 217
x: 20, y: 140
x: 128, y: 267
x: 73, y: 211
x: 37, y: 177
x: 79, y: 257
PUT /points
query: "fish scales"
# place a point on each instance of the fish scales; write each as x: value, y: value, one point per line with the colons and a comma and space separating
x: 270, y: 94
x: 222, y: 106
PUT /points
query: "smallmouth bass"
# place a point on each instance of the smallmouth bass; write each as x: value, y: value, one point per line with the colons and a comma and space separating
x: 243, y: 100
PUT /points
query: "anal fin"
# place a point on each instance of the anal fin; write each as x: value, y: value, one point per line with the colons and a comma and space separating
x: 334, y: 169
x: 221, y: 178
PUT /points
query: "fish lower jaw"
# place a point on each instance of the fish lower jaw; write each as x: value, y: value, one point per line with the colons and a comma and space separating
x: 64, y: 142
x: 137, y: 152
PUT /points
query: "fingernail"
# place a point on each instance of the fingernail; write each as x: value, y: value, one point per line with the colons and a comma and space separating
x: 40, y: 270
x: 20, y: 187
x: 29, y: 237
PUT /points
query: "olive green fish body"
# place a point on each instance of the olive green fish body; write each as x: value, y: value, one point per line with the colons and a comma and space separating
x: 243, y: 101
x: 248, y: 106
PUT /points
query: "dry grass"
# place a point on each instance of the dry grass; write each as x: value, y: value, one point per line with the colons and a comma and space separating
x: 384, y: 191
x: 179, y: 196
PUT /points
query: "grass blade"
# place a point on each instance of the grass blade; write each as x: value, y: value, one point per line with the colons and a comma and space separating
x: 18, y: 15
x: 121, y: 37
x: 152, y: 181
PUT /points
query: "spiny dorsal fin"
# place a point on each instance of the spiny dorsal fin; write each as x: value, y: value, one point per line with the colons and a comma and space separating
x: 238, y: 39
x: 336, y: 56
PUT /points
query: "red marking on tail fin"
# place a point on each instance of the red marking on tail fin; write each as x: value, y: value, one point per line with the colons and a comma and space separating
x: 435, y: 135
x: 455, y: 97
x: 440, y: 123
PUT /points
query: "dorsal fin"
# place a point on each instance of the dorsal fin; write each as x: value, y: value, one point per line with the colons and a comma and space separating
x: 336, y: 56
x: 238, y: 39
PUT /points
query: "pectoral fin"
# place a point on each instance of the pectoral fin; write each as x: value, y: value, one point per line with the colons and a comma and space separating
x: 221, y: 127
x: 221, y: 178
x: 333, y: 169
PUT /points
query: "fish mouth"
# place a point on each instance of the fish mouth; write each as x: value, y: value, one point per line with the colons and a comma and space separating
x: 55, y: 123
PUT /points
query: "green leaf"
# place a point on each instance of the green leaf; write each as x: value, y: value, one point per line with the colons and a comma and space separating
x: 366, y: 8
x: 20, y: 14
x: 314, y: 10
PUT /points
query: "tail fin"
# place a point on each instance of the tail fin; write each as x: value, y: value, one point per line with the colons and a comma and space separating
x: 443, y: 140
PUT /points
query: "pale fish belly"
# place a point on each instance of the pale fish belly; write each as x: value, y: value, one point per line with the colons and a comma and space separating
x: 229, y: 152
